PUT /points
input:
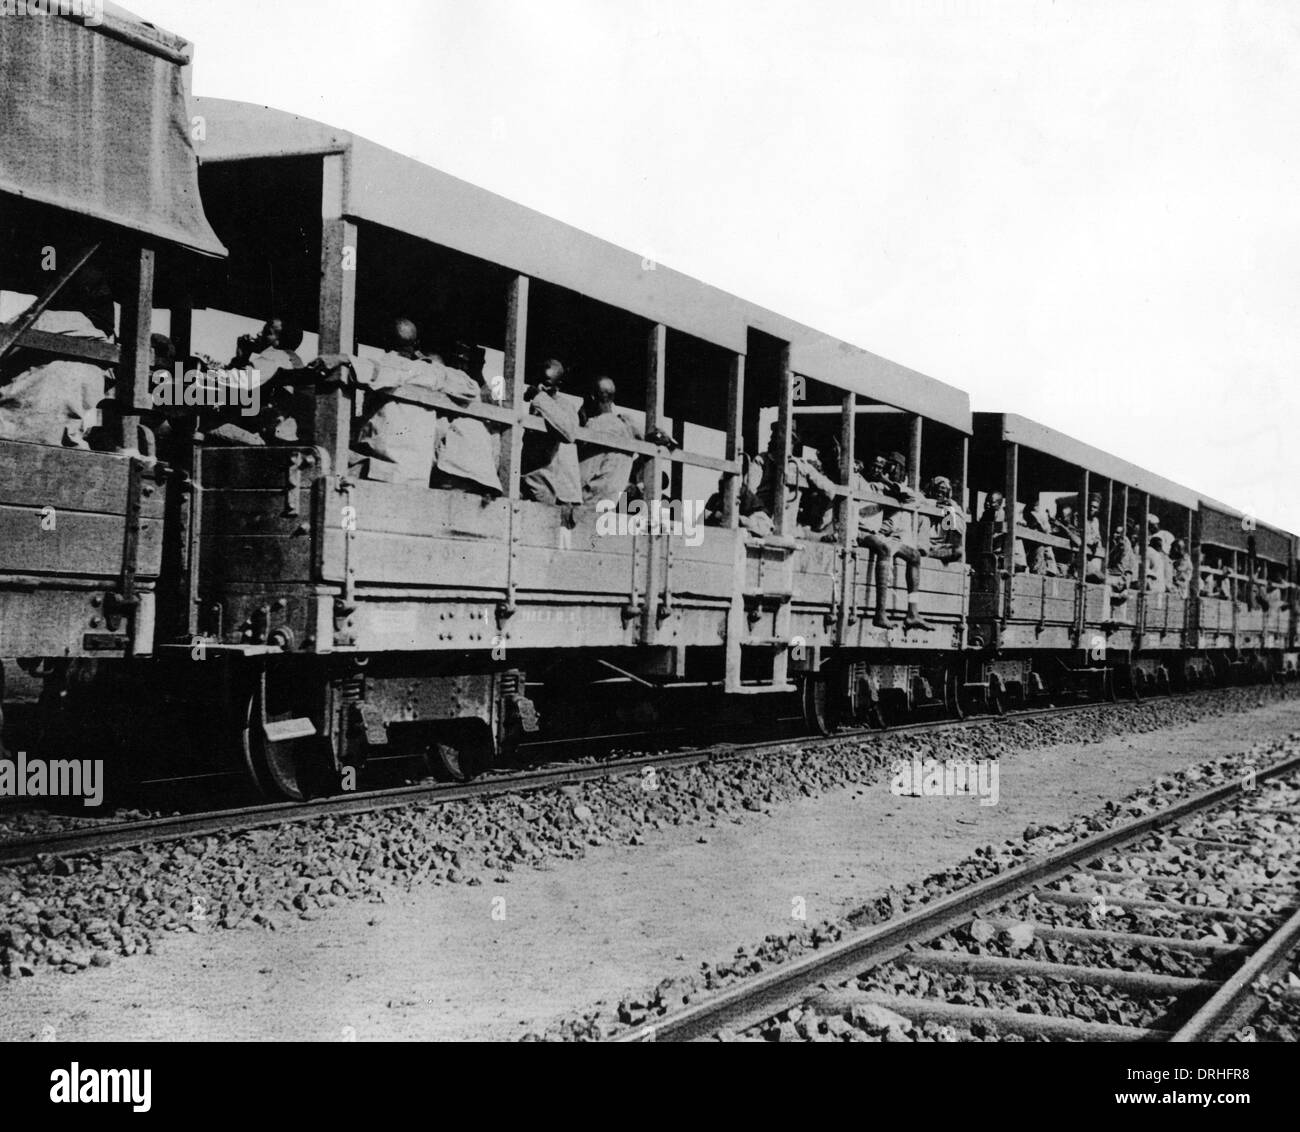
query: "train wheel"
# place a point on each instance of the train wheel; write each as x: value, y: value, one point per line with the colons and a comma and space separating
x: 462, y: 752
x: 952, y: 694
x: 817, y: 704
x: 869, y: 709
x: 996, y: 696
x: 278, y: 766
x: 1164, y: 686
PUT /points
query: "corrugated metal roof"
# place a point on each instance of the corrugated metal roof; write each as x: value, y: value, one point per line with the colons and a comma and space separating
x: 386, y: 188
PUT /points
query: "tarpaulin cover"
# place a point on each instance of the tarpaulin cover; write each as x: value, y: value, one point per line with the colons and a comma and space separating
x: 94, y: 120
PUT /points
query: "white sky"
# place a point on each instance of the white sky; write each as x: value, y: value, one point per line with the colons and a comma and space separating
x: 1084, y: 212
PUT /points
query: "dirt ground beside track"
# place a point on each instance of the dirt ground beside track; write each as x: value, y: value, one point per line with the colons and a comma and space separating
x: 437, y: 964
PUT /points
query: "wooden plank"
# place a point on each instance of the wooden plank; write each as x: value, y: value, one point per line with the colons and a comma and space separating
x: 1010, y: 487
x: 69, y: 345
x: 735, y: 428
x: 69, y: 479
x: 332, y: 420
x: 656, y: 581
x: 411, y: 509
x: 48, y: 622
x: 515, y: 383
x: 137, y: 352
x: 264, y: 561
x: 81, y: 543
x: 256, y: 468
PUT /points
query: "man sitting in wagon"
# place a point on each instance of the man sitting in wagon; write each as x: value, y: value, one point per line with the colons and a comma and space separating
x: 943, y: 538
x: 1094, y: 548
x: 404, y: 441
x: 552, y: 472
x: 1037, y: 518
x: 52, y: 400
x: 801, y: 475
x: 894, y: 538
x: 606, y: 472
x: 1123, y: 565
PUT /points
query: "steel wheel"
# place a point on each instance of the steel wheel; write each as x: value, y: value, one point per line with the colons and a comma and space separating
x: 817, y: 704
x: 277, y: 768
x: 462, y: 751
x: 952, y: 694
x: 995, y: 698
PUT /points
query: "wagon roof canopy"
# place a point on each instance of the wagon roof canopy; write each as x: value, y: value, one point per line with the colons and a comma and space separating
x: 399, y: 192
x: 1031, y: 434
x: 96, y: 122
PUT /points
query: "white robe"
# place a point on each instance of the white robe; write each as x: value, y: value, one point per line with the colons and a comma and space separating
x: 55, y: 402
x: 405, y: 442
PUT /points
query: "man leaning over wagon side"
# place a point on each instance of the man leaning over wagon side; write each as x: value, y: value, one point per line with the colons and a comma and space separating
x: 408, y: 442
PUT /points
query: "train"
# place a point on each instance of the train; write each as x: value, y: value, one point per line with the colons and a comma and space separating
x: 285, y: 604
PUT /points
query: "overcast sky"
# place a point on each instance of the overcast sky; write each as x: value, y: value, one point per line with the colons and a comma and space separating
x: 1086, y: 212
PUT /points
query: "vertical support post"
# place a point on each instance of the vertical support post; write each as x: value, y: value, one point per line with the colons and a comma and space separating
x: 135, y: 358
x: 1012, y: 486
x: 1081, y: 564
x: 510, y: 453
x: 967, y: 505
x: 1144, y: 536
x: 1195, y: 588
x: 1107, y: 526
x: 784, y: 428
x: 1234, y: 589
x: 914, y: 455
x: 332, y: 422
x: 782, y: 517
x: 652, y: 482
x: 735, y: 441
x: 1123, y: 523
x: 845, y: 472
x: 914, y: 474
x: 513, y: 376
x: 847, y: 524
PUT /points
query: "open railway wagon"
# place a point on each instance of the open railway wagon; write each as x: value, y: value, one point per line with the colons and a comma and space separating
x: 1056, y: 619
x: 1246, y: 626
x: 1061, y: 619
x: 360, y: 618
x: 99, y: 191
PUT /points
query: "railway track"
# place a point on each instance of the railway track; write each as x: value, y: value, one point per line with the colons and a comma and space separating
x: 106, y: 836
x: 1019, y: 938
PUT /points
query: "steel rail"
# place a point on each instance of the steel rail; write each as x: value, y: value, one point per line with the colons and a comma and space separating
x: 759, y: 998
x: 1235, y: 1002
x: 128, y: 835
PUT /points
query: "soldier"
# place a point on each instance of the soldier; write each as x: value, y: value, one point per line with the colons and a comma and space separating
x: 896, y: 539
x: 1094, y: 548
x: 606, y: 472
x: 553, y: 474
x: 943, y: 539
x: 406, y: 441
